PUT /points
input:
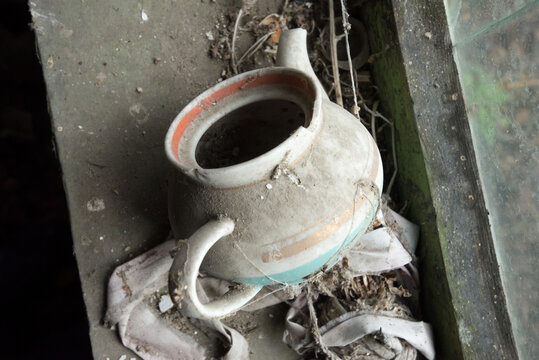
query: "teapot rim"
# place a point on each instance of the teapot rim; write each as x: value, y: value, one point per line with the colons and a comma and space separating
x: 287, y: 153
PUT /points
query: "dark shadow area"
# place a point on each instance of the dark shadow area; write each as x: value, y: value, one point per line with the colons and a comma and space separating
x: 251, y: 130
x: 42, y: 306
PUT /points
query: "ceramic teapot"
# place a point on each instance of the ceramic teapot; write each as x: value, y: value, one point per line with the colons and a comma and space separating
x: 273, y: 182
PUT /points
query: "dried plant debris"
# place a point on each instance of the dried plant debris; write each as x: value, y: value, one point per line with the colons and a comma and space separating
x: 256, y: 36
x: 336, y: 292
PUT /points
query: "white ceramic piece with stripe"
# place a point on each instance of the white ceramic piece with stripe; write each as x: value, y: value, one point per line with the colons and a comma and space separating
x: 273, y: 182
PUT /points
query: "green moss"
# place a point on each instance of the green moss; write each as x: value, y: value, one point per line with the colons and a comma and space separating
x: 412, y: 183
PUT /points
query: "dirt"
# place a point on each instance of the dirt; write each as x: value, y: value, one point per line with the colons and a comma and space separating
x: 244, y: 322
x: 197, y: 331
x: 125, y: 285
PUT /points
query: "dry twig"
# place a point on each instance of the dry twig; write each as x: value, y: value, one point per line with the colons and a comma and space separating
x: 393, y: 145
x: 315, y: 330
x: 233, y: 50
x: 346, y: 28
x: 333, y: 48
x: 373, y: 121
x: 255, y: 47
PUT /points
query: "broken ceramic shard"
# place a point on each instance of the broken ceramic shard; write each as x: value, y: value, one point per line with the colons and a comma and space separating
x: 165, y: 303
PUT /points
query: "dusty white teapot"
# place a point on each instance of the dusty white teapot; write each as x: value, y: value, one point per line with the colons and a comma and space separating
x: 273, y: 181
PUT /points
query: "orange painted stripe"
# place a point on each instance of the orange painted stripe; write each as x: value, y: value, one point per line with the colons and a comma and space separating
x: 320, y: 235
x: 180, y: 129
x: 310, y: 240
x: 248, y: 83
x: 330, y: 213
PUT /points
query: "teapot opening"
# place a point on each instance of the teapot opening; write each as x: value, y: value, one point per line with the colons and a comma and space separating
x: 238, y: 131
x: 248, y: 132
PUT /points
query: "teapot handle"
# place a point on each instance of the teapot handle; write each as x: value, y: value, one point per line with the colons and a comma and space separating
x: 184, y: 272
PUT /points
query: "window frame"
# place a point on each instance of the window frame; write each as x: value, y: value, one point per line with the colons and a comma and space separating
x: 414, y: 69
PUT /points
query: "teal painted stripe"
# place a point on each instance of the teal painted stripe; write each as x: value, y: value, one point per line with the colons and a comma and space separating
x: 298, y: 274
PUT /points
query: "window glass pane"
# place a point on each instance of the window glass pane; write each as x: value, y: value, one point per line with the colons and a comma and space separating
x: 467, y: 17
x: 496, y: 47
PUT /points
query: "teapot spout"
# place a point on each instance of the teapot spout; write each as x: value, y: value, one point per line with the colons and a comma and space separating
x: 292, y: 53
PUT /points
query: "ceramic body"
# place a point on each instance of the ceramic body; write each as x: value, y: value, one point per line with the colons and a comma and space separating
x: 279, y: 216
